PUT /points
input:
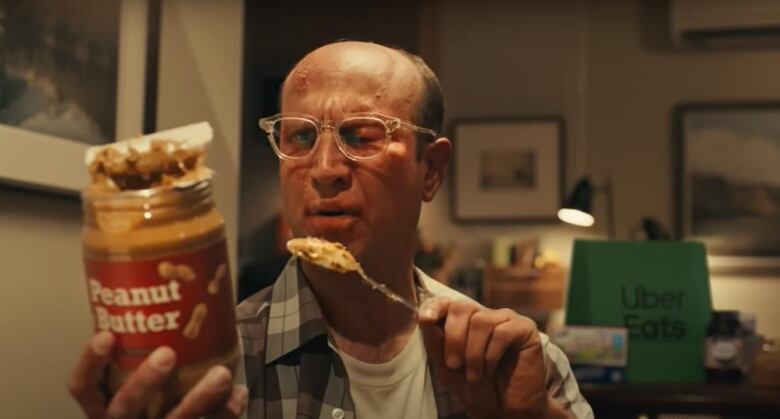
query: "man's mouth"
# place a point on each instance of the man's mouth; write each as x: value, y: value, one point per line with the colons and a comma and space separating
x: 331, y: 210
x: 325, y: 221
x: 332, y: 213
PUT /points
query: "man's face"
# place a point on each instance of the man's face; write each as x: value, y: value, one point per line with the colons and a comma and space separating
x: 371, y: 206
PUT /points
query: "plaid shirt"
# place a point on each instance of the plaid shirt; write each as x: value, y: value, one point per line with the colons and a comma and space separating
x: 291, y: 372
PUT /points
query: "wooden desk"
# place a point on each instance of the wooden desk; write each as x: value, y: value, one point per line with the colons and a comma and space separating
x: 728, y: 401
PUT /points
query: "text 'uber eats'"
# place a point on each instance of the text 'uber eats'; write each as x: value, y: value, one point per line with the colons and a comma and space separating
x: 651, y: 325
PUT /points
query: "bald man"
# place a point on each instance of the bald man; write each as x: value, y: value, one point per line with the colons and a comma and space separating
x: 359, y: 154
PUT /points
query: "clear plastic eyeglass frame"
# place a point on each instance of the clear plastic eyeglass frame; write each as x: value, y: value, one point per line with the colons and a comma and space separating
x: 390, y: 123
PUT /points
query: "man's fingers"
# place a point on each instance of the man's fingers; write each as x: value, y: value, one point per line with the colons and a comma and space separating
x: 235, y: 404
x: 483, y: 340
x: 208, y: 395
x: 131, y: 399
x: 480, y: 329
x: 517, y: 333
x: 86, y: 376
x: 433, y: 310
x: 456, y: 332
x: 433, y: 337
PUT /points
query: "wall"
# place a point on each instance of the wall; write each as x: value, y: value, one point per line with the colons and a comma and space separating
x: 45, y: 319
x: 201, y: 51
x: 634, y: 81
x: 607, y: 71
x: 510, y: 59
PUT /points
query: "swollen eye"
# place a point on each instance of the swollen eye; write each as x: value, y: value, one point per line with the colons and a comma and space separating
x: 364, y: 134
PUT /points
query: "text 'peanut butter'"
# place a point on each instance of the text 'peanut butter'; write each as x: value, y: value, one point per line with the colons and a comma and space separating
x: 155, y: 257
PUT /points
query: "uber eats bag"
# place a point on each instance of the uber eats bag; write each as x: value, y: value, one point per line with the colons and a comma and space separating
x: 659, y: 291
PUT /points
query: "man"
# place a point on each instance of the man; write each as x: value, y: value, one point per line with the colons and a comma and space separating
x: 358, y: 156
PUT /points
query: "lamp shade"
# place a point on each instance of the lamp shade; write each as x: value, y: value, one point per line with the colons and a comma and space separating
x: 577, y: 207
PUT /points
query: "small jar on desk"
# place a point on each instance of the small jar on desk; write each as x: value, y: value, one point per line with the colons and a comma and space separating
x: 723, y: 348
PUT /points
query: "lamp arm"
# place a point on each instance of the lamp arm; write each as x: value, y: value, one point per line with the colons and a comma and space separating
x: 607, y: 189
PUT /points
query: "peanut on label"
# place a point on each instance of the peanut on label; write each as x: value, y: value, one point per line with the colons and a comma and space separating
x: 192, y: 329
x: 185, y: 273
x: 171, y: 272
x: 216, y: 282
x: 166, y: 270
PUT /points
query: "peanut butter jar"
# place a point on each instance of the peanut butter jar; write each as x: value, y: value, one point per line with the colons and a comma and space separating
x: 156, y: 263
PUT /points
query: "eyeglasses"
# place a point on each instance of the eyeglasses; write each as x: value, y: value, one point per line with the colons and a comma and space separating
x: 360, y: 136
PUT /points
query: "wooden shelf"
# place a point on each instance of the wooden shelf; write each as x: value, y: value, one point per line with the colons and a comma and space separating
x: 523, y: 290
x: 730, y: 401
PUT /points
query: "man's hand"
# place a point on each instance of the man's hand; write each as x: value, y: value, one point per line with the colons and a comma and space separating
x: 214, y: 395
x: 492, y: 360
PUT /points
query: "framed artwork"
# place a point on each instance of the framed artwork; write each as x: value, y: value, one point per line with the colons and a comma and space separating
x: 73, y: 73
x: 507, y: 169
x: 728, y: 183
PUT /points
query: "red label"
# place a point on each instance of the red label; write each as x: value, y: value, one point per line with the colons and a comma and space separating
x: 183, y: 301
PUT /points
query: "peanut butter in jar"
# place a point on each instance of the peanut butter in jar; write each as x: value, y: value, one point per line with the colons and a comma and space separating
x: 156, y: 259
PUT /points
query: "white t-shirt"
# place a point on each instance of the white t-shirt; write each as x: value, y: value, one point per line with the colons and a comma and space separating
x: 400, y: 388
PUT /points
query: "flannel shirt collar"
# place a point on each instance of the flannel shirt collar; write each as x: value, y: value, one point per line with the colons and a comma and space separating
x: 295, y: 316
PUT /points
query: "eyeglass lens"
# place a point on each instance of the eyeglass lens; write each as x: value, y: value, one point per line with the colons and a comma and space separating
x: 360, y: 137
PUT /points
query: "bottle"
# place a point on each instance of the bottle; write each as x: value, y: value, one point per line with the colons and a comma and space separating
x: 157, y: 270
x: 723, y: 348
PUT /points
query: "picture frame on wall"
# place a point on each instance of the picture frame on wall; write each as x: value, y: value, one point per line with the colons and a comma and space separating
x: 73, y: 74
x: 728, y: 184
x: 507, y: 170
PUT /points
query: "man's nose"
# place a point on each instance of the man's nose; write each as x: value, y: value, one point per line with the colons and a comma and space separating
x: 330, y: 171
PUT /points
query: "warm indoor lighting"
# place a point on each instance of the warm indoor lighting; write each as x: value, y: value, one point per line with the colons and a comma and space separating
x: 577, y: 209
x: 575, y: 216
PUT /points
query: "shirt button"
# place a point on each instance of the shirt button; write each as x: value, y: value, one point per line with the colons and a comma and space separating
x: 337, y: 413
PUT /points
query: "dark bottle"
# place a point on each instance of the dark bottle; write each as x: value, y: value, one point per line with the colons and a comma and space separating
x: 723, y: 348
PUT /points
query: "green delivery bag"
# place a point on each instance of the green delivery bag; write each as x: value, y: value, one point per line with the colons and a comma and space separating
x: 659, y: 291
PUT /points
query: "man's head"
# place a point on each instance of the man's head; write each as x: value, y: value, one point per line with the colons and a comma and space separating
x: 430, y: 109
x: 371, y: 205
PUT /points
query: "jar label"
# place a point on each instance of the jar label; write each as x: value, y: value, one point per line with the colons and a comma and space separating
x: 184, y: 301
x: 722, y: 352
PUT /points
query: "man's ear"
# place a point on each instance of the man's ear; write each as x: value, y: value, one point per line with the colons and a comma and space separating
x: 436, y: 157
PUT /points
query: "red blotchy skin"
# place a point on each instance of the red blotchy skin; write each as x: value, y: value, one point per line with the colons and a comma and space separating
x: 371, y: 206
